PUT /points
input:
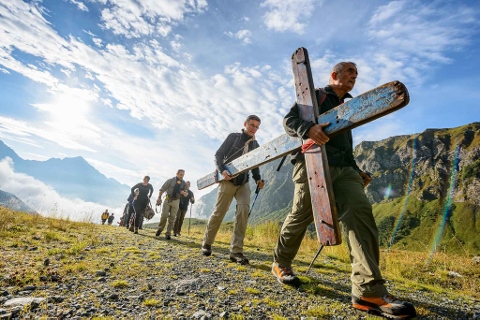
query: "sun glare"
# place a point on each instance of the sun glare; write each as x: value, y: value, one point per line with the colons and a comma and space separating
x: 67, y: 112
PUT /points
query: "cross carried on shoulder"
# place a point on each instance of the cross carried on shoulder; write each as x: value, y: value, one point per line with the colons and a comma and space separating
x: 362, y: 109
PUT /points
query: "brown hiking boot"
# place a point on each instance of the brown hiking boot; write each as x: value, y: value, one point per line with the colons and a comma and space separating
x: 285, y: 275
x: 239, y: 258
x: 207, y: 249
x: 136, y: 231
x: 387, y: 306
x: 131, y: 228
x: 158, y: 232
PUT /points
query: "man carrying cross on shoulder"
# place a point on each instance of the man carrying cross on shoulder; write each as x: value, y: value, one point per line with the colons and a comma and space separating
x: 354, y: 210
x: 236, y: 187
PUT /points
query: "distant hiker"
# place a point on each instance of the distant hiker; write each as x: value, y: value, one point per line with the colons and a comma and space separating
x: 237, y: 187
x: 354, y: 210
x: 105, y: 216
x: 111, y: 218
x: 140, y: 201
x: 185, y: 200
x: 175, y: 188
x: 128, y: 211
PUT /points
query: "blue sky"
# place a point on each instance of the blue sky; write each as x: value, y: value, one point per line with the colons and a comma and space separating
x: 149, y: 86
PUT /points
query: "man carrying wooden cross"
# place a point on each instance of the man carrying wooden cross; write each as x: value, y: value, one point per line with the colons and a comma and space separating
x: 236, y: 145
x: 354, y: 210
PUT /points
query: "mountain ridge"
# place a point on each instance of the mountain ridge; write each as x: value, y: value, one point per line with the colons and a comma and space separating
x: 12, y: 202
x: 71, y: 177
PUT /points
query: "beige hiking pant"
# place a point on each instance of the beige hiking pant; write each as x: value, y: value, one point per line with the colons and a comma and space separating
x: 169, y: 212
x: 359, y: 227
x: 226, y: 192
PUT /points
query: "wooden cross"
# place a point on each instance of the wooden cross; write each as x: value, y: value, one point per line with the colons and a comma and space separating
x: 364, y: 108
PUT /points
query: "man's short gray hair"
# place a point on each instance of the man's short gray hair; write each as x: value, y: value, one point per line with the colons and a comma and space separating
x: 339, y: 66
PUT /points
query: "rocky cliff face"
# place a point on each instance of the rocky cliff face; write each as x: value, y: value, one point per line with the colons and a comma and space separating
x: 425, y: 165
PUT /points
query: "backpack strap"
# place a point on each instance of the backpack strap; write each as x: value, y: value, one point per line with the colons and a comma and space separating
x: 321, y: 96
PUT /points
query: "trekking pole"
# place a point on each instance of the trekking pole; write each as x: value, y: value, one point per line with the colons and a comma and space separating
x: 189, y: 219
x: 257, y: 191
x: 281, y: 163
x: 314, y: 258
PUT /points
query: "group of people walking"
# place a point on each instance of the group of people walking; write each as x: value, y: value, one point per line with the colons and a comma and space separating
x: 368, y: 292
x: 107, y: 217
x: 178, y: 196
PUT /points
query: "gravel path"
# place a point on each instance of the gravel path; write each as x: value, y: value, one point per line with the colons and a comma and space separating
x: 126, y: 276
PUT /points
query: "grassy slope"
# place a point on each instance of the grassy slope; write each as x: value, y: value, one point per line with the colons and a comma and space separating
x: 78, y: 249
x: 422, y: 221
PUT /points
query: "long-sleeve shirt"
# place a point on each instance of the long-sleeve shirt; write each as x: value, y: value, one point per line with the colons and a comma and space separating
x: 233, y: 147
x: 146, y: 191
x: 340, y: 147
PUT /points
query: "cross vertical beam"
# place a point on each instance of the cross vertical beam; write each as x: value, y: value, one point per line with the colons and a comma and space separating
x: 321, y: 191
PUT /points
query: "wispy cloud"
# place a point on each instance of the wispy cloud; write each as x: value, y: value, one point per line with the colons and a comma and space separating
x: 243, y: 35
x: 287, y: 15
x: 411, y: 36
x: 80, y: 5
x: 134, y: 19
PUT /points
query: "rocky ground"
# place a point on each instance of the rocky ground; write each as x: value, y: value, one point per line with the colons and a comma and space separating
x: 125, y: 276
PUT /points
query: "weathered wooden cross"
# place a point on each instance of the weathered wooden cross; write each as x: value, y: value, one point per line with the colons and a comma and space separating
x: 364, y: 108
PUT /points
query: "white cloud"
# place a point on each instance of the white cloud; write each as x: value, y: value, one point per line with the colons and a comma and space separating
x: 135, y: 19
x: 418, y: 34
x: 46, y: 200
x: 80, y: 5
x: 243, y: 35
x: 286, y: 15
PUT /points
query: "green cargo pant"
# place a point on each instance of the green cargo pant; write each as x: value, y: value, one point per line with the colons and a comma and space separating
x: 169, y: 213
x: 355, y: 214
x: 226, y: 192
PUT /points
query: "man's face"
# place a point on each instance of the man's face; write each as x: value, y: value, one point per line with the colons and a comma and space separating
x: 145, y: 181
x: 180, y: 174
x: 251, y: 127
x: 347, y: 77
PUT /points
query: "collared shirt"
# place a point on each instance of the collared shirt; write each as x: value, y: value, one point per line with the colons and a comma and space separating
x: 169, y: 186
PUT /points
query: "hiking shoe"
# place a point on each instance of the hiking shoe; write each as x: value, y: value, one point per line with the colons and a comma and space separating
x: 136, y: 231
x: 207, y: 249
x: 158, y: 232
x: 239, y: 258
x: 131, y: 228
x: 285, y: 275
x: 387, y: 306
x: 167, y: 236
